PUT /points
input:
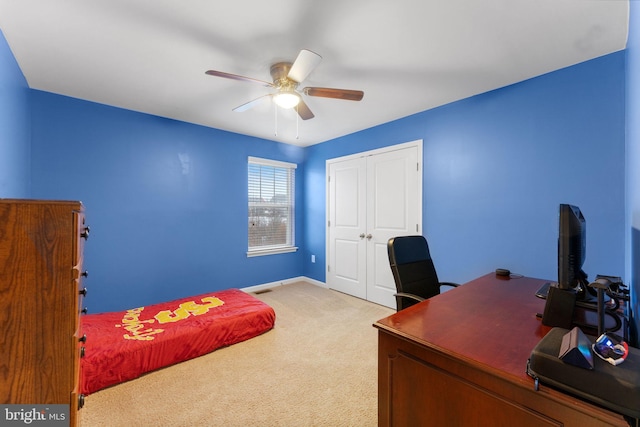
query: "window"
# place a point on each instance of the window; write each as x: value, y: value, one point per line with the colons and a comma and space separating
x: 271, y: 207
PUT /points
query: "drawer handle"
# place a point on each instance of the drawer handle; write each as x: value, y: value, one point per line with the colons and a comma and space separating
x: 84, y: 310
x: 82, y: 350
x: 80, y: 401
x: 83, y: 292
x: 83, y: 338
x: 85, y: 273
x: 85, y: 233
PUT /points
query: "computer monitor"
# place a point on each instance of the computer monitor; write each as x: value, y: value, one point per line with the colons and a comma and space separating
x: 573, y: 289
x: 572, y: 244
x: 572, y: 281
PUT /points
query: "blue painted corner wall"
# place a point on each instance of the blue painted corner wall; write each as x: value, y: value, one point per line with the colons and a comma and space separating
x: 166, y: 200
x: 633, y: 157
x: 15, y: 127
x: 496, y: 167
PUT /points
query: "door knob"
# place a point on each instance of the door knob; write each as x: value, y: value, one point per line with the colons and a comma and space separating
x: 362, y: 236
x: 369, y: 236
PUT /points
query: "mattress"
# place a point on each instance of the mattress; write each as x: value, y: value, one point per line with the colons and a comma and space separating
x: 124, y: 345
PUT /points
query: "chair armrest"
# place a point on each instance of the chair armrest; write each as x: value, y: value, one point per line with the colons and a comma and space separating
x: 410, y: 296
x: 453, y: 285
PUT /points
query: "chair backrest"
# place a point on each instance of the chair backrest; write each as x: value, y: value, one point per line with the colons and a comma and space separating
x: 413, y: 269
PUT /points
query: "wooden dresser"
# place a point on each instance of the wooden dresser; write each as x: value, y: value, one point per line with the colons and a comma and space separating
x: 41, y: 297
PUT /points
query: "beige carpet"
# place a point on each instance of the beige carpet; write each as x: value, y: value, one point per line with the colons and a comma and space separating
x: 317, y: 367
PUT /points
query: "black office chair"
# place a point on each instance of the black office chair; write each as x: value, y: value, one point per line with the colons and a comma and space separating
x: 413, y: 270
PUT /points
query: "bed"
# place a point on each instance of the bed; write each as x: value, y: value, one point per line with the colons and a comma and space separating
x: 123, y: 345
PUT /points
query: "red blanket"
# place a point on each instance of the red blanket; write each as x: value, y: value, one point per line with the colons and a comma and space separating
x: 123, y: 345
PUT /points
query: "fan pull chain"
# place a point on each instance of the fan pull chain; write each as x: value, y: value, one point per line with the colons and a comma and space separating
x: 297, y: 123
x: 276, y: 120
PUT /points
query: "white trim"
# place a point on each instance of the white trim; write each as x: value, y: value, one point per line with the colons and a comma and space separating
x: 269, y: 162
x: 313, y: 281
x: 264, y: 286
x: 271, y: 251
x: 417, y: 143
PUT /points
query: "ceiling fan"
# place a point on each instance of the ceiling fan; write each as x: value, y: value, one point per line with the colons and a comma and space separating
x: 286, y: 78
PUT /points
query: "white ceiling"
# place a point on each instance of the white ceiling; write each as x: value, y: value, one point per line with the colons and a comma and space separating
x: 406, y: 55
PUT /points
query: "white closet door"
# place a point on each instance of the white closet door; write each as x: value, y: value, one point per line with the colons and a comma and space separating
x: 392, y: 210
x: 346, y: 271
x: 371, y: 197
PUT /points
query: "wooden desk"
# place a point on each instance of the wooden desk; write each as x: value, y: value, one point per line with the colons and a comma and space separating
x: 459, y: 359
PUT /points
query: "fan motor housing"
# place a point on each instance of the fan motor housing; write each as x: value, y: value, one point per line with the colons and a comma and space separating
x: 279, y: 72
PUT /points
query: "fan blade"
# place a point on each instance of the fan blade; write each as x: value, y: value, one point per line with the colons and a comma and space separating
x: 303, y: 65
x: 303, y: 111
x: 250, y: 104
x: 237, y: 77
x: 325, y: 92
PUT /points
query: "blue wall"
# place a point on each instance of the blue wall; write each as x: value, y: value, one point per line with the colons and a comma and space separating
x: 14, y: 127
x: 166, y: 200
x: 633, y: 154
x: 496, y: 167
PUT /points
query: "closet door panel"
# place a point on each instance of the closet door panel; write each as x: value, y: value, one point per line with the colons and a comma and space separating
x: 346, y: 271
x: 392, y: 210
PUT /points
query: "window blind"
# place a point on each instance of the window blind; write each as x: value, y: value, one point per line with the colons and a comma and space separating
x: 271, y: 192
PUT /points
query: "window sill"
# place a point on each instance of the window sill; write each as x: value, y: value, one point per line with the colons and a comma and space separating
x: 271, y: 251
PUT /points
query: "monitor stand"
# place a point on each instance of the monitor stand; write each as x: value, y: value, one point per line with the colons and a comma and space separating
x: 584, y: 299
x: 559, y: 307
x: 560, y: 304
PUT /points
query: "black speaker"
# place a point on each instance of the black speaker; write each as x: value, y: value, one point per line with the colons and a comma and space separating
x: 558, y: 310
x: 576, y: 349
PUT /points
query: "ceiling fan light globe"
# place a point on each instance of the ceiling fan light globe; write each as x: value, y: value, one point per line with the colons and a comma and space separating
x: 286, y: 99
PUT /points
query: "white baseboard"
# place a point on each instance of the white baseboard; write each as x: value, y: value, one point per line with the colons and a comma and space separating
x: 264, y: 286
